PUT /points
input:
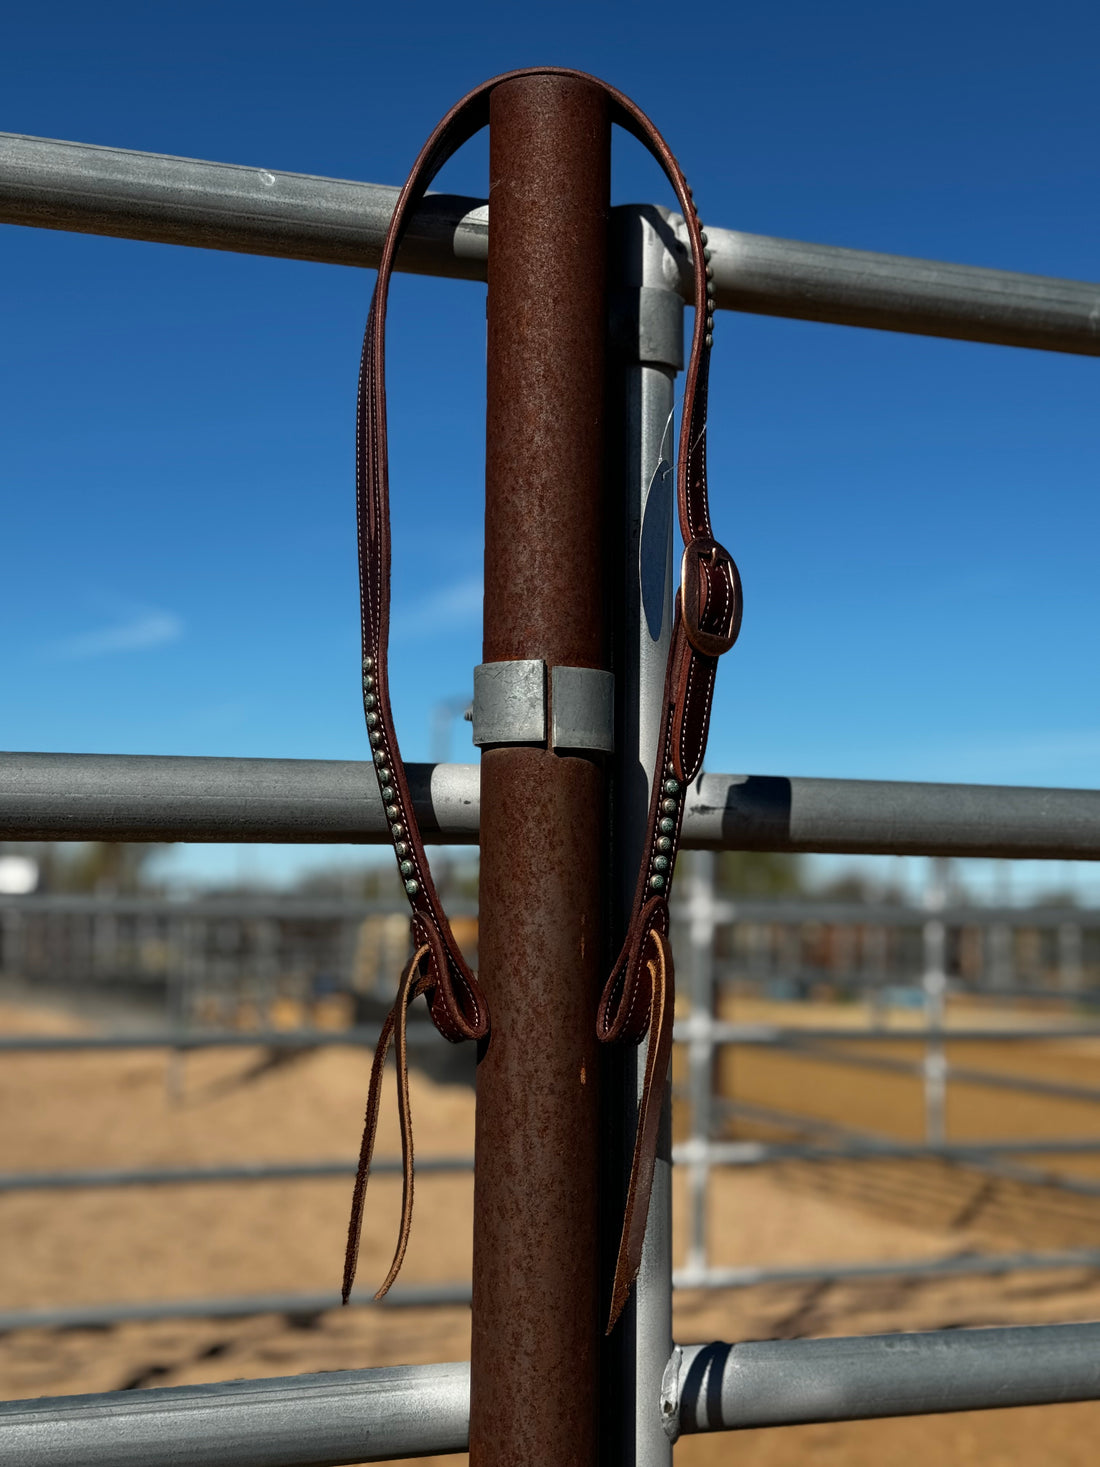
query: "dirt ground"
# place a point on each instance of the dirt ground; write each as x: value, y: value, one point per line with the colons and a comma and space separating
x: 144, y: 1108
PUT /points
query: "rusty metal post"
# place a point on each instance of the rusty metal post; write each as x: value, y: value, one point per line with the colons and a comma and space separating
x: 536, y: 1323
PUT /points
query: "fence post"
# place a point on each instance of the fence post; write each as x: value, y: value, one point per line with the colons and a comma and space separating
x: 934, y: 983
x: 542, y: 943
x: 702, y: 988
x: 647, y: 314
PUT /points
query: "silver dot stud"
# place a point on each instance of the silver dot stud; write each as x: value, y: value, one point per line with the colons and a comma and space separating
x: 387, y: 793
x: 657, y: 882
x: 368, y: 681
x: 664, y: 844
x: 661, y: 863
x: 376, y: 736
x: 392, y: 812
x: 368, y: 664
x: 669, y: 807
x: 406, y: 868
x: 412, y: 887
x: 667, y: 826
x: 372, y: 720
x: 380, y: 757
x: 383, y: 775
x: 369, y: 701
x: 708, y: 341
x: 703, y: 237
x: 397, y: 831
x: 708, y: 255
x: 672, y: 786
x: 401, y: 848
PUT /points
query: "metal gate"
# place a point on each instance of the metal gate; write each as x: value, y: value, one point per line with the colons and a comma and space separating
x: 665, y: 1390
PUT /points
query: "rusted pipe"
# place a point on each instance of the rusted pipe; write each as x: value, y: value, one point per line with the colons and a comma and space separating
x: 535, y: 1272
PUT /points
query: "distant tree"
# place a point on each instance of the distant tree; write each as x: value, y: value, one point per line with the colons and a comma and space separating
x: 759, y: 873
x: 858, y: 886
x: 120, y: 867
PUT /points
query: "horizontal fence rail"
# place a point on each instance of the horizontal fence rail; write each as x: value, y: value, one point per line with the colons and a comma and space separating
x: 762, y: 1036
x: 304, y: 1421
x: 458, y: 1292
x: 957, y: 1265
x: 169, y: 1176
x: 418, y: 1034
x: 786, y: 1382
x: 758, y: 1153
x: 246, y: 1306
x: 113, y: 191
x: 405, y: 1411
x: 164, y: 798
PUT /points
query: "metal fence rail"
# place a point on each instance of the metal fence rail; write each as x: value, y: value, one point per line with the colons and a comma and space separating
x: 244, y: 1306
x: 383, y: 1414
x: 62, y: 185
x: 786, y: 1382
x: 757, y: 1036
x: 304, y: 1421
x: 176, y: 1176
x: 165, y: 798
x: 957, y: 1265
x: 409, y: 1411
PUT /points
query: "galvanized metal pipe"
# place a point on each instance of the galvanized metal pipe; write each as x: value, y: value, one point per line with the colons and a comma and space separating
x: 543, y: 842
x: 246, y: 1306
x: 786, y: 1382
x: 701, y: 1047
x: 823, y: 1053
x: 142, y: 797
x: 260, y: 1171
x: 305, y: 1421
x: 147, y: 797
x: 647, y: 316
x: 340, y: 1417
x: 761, y: 1153
x: 760, y: 1035
x: 960, y: 1265
x: 184, y: 1039
x: 888, y: 817
x: 934, y: 984
x: 114, y: 191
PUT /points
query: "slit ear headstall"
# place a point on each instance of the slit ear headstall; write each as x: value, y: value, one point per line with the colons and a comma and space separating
x: 638, y: 995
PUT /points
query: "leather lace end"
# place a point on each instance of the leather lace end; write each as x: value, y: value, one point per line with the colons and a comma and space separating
x: 412, y: 984
x: 658, y: 1054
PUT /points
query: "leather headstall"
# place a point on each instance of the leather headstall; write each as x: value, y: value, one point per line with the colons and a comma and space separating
x: 638, y: 995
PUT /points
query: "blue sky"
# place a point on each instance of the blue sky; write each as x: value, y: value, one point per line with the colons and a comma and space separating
x: 916, y: 521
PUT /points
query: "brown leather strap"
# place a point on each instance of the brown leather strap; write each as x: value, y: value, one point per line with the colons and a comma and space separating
x: 707, y: 620
x: 413, y: 984
x: 659, y: 1050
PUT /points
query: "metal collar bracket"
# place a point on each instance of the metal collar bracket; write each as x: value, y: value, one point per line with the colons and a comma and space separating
x: 510, y: 706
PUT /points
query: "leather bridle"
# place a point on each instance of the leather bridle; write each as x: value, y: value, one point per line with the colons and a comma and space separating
x: 637, y: 997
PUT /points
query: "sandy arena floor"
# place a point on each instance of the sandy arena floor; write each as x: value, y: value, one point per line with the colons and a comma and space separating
x: 132, y: 1109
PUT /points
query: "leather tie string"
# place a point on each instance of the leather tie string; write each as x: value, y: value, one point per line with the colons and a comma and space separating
x: 658, y: 1053
x: 413, y: 983
x: 637, y: 998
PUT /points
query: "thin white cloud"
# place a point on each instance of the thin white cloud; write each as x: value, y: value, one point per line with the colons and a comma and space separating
x: 146, y: 629
x: 455, y: 606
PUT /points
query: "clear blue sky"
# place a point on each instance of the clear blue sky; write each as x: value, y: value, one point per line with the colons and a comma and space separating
x: 916, y: 521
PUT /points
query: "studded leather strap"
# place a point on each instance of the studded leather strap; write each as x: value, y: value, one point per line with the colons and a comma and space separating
x: 707, y: 620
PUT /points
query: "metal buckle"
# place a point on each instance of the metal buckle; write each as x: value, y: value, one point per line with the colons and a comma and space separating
x: 699, y: 596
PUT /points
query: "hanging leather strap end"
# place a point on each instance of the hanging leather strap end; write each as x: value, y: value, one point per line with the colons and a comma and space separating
x: 643, y: 1162
x: 413, y: 983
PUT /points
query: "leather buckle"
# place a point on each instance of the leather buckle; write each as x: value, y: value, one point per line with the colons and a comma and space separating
x: 710, y: 597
